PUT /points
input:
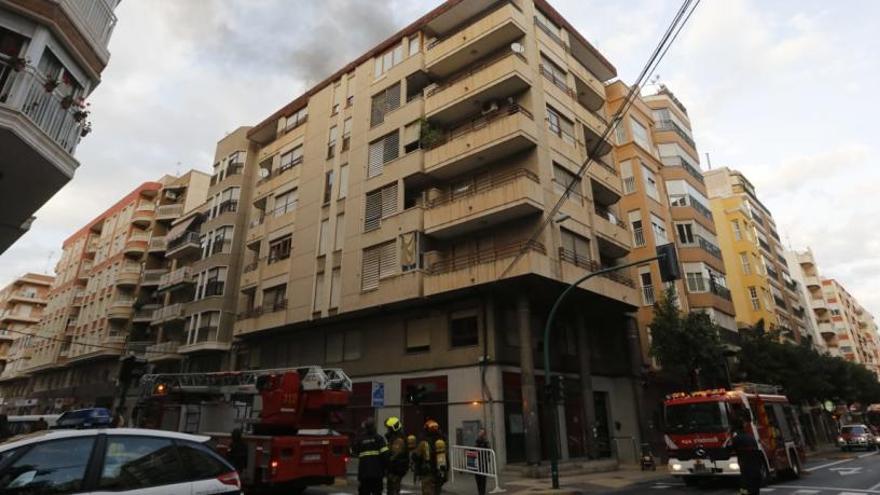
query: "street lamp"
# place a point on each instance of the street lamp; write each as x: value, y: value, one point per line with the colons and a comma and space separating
x: 669, y: 271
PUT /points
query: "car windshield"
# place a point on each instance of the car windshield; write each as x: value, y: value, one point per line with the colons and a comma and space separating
x: 696, y: 417
x: 853, y: 430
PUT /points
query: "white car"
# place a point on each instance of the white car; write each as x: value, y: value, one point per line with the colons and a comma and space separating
x: 113, y: 461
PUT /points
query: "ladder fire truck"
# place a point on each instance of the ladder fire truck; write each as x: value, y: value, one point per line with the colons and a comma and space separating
x: 285, y: 414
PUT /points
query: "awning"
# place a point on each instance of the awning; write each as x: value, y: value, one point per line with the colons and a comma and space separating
x: 179, y: 229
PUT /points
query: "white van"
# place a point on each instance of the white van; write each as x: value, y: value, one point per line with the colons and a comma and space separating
x: 19, y: 425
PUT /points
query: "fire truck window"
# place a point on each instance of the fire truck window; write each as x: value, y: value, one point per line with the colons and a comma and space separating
x: 133, y: 462
x: 695, y: 417
x: 783, y: 421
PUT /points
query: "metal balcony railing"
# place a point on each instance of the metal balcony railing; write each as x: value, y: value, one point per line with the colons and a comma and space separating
x: 482, y: 184
x: 480, y: 123
x: 677, y: 161
x: 670, y: 125
x: 455, y: 263
x: 639, y: 237
x: 96, y: 16
x: 648, y: 295
x: 710, y: 248
x: 584, y: 262
x: 609, y: 215
x: 188, y: 237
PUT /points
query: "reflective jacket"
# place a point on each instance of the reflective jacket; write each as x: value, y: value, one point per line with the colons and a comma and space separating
x: 372, y: 453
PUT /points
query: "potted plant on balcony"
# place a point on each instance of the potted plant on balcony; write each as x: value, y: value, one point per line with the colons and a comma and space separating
x: 86, y: 129
x: 67, y: 102
x: 50, y: 85
x: 18, y: 63
x: 81, y: 110
x: 429, y: 136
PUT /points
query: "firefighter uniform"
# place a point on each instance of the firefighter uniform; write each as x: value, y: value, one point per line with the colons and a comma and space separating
x: 429, y: 459
x: 372, y: 453
x: 398, y: 461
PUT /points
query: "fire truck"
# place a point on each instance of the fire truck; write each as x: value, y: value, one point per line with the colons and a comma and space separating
x: 285, y: 414
x: 699, y: 431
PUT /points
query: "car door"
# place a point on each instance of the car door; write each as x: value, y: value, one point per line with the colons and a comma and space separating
x: 56, y: 467
x: 210, y: 473
x: 142, y: 465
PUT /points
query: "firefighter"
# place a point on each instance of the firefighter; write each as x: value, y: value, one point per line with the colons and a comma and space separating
x: 372, y: 453
x: 398, y: 461
x: 750, y: 459
x: 429, y: 459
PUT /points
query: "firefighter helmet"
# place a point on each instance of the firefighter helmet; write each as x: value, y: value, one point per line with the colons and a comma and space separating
x: 432, y: 426
x: 393, y: 423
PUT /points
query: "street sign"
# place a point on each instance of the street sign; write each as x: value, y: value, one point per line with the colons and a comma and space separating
x: 378, y: 394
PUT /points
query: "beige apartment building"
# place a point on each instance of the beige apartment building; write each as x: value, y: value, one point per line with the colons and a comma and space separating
x: 844, y: 322
x: 89, y: 318
x: 387, y: 222
x: 665, y: 202
x: 805, y: 272
x: 52, y: 53
x: 757, y: 270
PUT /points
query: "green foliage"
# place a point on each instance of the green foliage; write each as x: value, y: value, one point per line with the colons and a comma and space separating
x: 687, y: 346
x: 429, y: 136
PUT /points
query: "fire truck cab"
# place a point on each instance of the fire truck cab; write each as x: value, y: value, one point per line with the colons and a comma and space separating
x: 699, y: 428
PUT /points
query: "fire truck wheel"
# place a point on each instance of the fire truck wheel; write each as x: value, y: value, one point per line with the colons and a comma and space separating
x: 794, y: 472
x: 765, y: 474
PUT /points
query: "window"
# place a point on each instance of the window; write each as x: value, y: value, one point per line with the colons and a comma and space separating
x: 647, y: 286
x: 638, y: 232
x: 200, y: 461
x: 343, y: 346
x: 378, y: 262
x: 626, y: 174
x: 640, y: 135
x: 335, y: 287
x: 546, y: 23
x: 349, y: 91
x: 746, y: 266
x: 737, y: 232
x: 382, y: 151
x: 319, y: 292
x: 323, y: 237
x: 331, y: 142
x: 291, y: 159
x: 285, y: 202
x: 685, y: 233
x: 217, y: 241
x: 380, y: 204
x: 297, y: 119
x: 560, y: 125
x: 650, y: 181
x: 279, y: 249
x: 659, y: 228
x: 464, y: 331
x: 620, y: 133
x: 343, y: 182
x: 136, y: 462
x: 418, y: 335
x: 211, y: 282
x: 383, y: 103
x: 753, y: 296
x: 275, y: 298
x: 339, y: 236
x: 415, y: 44
x: 575, y: 248
x: 562, y: 177
x: 554, y: 73
x: 57, y: 466
x: 337, y: 97
x: 695, y: 282
x: 328, y: 186
x: 346, y: 134
x: 388, y: 60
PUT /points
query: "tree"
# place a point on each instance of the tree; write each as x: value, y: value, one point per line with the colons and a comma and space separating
x: 687, y: 346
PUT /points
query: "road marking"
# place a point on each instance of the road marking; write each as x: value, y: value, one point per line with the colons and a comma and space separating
x: 823, y: 466
x: 875, y: 487
x: 833, y: 489
x: 805, y: 492
x: 846, y: 471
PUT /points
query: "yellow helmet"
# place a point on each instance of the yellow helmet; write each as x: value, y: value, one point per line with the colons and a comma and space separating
x: 393, y: 423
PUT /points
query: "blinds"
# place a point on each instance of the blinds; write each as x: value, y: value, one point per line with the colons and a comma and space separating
x: 373, y: 211
x: 381, y: 152
x: 391, y: 146
x: 389, y: 199
x: 388, y: 259
x: 383, y: 103
x: 418, y: 334
x: 370, y: 268
x: 577, y: 245
x: 335, y: 288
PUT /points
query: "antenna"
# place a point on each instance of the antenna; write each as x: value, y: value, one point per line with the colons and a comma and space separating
x: 708, y: 161
x: 49, y: 262
x: 177, y: 172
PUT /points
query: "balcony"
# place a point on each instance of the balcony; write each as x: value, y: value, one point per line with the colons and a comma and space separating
x: 447, y: 273
x: 819, y: 304
x: 95, y: 18
x: 488, y: 32
x: 165, y: 314
x: 164, y: 351
x: 671, y: 126
x: 613, y: 237
x: 144, y: 314
x: 153, y: 276
x: 710, y: 248
x: 182, y: 277
x: 682, y: 163
x: 685, y: 200
x: 25, y: 318
x: 169, y: 212
x: 827, y: 330
x: 493, y: 136
x: 92, y: 245
x: 143, y: 214
x: 136, y: 244
x: 490, y: 80
x: 204, y: 339
x: 158, y: 244
x: 121, y: 309
x: 186, y: 245
x: 812, y: 282
x: 616, y: 284
x: 128, y: 275
x: 488, y: 202
x: 85, y: 348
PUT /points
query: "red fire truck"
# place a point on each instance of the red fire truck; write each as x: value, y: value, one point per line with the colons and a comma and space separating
x: 286, y: 416
x: 699, y: 429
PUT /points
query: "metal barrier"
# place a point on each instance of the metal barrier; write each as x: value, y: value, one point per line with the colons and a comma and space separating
x: 476, y: 461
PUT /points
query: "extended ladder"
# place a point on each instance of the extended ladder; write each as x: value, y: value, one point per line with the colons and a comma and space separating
x: 242, y: 382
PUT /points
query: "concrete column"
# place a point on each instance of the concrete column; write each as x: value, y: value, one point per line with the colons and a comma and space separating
x: 583, y: 348
x: 527, y: 382
x: 636, y: 363
x: 33, y: 52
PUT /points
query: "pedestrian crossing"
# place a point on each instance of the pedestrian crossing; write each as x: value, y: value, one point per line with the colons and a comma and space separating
x: 786, y: 490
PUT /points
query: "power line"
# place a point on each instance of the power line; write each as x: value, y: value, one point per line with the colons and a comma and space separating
x: 669, y: 36
x: 99, y: 346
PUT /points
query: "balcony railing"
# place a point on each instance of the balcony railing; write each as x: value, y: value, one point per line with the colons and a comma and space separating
x: 471, y: 70
x: 230, y: 205
x: 764, y: 245
x: 96, y: 17
x: 704, y: 284
x: 639, y: 237
x: 779, y: 301
x: 710, y: 248
x: 584, y: 262
x: 188, y: 237
x: 772, y: 273
x: 670, y: 125
x: 677, y: 161
x: 455, y: 263
x: 648, y: 295
x: 482, y: 184
x: 169, y: 210
x: 607, y: 214
x: 479, y: 123
x: 181, y: 275
x: 47, y: 106
x: 280, y: 170
x: 559, y: 83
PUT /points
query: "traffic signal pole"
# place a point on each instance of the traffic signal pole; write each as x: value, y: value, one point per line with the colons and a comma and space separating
x: 548, y: 374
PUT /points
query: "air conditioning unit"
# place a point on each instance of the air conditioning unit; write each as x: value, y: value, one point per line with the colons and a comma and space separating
x: 433, y: 194
x: 170, y: 194
x: 489, y: 107
x: 430, y: 89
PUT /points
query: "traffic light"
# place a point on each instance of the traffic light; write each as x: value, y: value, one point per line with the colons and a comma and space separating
x: 415, y: 394
x: 555, y: 389
x: 667, y: 259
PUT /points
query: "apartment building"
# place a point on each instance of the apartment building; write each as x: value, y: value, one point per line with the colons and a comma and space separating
x: 664, y: 201
x: 21, y: 305
x: 90, y: 314
x: 854, y: 329
x: 387, y: 222
x: 805, y: 272
x: 52, y: 53
x: 757, y: 270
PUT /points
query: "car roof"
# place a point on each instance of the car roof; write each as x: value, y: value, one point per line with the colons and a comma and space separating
x: 46, y: 435
x: 855, y: 425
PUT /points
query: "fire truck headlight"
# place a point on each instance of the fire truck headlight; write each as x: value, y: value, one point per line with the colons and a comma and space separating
x: 734, y: 466
x: 840, y: 440
x: 676, y: 466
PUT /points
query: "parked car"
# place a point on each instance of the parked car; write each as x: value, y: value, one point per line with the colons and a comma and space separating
x: 856, y: 436
x: 19, y: 425
x: 95, y: 417
x: 117, y: 460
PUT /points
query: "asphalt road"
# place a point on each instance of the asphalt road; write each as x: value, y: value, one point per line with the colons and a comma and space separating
x: 832, y: 474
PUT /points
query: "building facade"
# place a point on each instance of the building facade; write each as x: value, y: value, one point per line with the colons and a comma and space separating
x: 757, y: 270
x: 805, y: 272
x: 854, y: 327
x: 52, y: 53
x: 389, y: 222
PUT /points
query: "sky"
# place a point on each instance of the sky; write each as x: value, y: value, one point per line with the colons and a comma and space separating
x: 782, y: 91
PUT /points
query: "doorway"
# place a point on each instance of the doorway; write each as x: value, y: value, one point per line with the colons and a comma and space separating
x: 603, y: 428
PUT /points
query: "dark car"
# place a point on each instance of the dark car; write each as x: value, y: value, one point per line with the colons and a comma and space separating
x: 96, y: 417
x: 856, y: 436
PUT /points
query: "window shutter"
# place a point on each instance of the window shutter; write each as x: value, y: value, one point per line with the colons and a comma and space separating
x: 375, y: 162
x: 389, y: 200
x: 418, y: 334
x: 392, y: 146
x: 388, y: 259
x: 373, y: 211
x: 582, y: 248
x: 335, y: 288
x: 370, y: 268
x: 377, y: 109
x: 392, y: 98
